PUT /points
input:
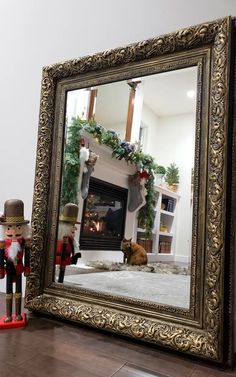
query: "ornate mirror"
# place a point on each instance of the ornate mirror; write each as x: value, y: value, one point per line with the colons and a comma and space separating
x: 131, y: 214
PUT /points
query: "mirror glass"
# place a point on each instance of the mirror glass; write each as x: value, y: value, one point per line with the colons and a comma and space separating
x: 156, y: 115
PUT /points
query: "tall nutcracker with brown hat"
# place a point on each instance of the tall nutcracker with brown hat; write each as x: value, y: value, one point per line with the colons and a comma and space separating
x: 67, y: 247
x: 15, y: 234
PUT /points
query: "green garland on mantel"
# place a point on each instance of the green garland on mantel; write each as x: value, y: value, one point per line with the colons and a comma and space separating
x: 132, y: 153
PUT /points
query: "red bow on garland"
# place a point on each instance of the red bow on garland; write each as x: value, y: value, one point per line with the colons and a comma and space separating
x: 143, y: 174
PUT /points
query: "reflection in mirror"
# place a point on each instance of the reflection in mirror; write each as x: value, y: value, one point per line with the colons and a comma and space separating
x: 105, y: 244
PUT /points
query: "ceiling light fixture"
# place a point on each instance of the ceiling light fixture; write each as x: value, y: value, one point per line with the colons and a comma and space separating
x: 191, y: 93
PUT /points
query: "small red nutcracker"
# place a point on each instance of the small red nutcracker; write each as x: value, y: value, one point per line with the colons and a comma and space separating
x: 15, y: 237
x: 67, y: 246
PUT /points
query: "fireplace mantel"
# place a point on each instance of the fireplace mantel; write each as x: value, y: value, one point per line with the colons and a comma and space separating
x: 105, y: 156
x: 113, y: 171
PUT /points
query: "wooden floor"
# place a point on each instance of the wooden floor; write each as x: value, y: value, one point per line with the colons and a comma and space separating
x: 47, y: 347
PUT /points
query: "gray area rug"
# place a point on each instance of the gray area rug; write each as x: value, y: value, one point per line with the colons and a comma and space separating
x: 168, y: 289
x: 165, y: 268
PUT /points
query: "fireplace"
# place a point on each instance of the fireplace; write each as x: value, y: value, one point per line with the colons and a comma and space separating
x: 104, y: 215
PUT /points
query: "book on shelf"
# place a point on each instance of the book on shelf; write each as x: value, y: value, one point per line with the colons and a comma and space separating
x: 146, y: 244
x: 164, y: 247
x: 169, y: 204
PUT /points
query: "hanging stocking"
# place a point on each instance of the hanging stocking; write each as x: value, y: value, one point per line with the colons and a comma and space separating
x: 86, y: 175
x: 137, y: 192
x: 84, y: 156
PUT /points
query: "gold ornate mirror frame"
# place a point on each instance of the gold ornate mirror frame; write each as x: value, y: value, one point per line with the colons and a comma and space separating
x: 205, y: 329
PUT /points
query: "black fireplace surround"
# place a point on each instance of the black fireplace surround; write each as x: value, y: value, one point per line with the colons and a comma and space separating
x: 104, y: 215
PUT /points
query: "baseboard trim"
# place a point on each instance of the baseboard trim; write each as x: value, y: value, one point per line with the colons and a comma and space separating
x: 182, y: 259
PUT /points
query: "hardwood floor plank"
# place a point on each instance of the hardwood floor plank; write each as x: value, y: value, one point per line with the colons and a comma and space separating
x: 204, y: 371
x: 50, y: 347
x: 130, y: 370
x: 10, y: 371
x: 13, y: 349
x: 105, y: 344
x: 95, y: 363
x: 54, y: 366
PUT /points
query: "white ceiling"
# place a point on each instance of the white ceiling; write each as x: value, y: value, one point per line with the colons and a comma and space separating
x: 164, y: 93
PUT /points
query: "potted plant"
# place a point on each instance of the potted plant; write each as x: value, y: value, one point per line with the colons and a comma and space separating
x: 172, y: 177
x: 159, y: 173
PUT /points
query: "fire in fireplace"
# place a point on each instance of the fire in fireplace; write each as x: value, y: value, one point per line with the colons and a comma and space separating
x: 104, y: 213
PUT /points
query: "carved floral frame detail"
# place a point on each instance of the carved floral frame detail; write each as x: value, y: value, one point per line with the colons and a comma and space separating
x: 205, y: 340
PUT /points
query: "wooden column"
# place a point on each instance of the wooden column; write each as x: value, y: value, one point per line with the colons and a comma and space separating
x: 133, y: 85
x: 92, y: 99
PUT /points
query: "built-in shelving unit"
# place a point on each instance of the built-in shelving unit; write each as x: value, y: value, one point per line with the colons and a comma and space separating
x: 162, y: 245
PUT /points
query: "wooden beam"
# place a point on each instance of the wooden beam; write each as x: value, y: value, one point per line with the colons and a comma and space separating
x: 92, y: 100
x: 133, y: 85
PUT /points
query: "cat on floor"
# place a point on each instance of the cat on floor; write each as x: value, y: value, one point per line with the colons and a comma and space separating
x: 134, y: 254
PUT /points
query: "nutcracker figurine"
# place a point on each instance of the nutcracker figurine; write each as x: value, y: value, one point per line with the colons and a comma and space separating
x: 67, y: 247
x: 14, y: 257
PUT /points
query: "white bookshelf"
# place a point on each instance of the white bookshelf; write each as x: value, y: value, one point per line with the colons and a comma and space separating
x: 164, y: 230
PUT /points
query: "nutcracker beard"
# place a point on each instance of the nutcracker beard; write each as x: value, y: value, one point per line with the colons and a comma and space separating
x: 13, y: 250
x: 12, y: 253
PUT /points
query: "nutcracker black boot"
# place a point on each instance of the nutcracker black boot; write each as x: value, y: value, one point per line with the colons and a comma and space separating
x: 18, y: 306
x: 8, y: 307
x: 61, y: 274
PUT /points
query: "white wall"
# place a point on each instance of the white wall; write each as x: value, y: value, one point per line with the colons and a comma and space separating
x: 175, y: 143
x: 171, y: 139
x: 112, y: 106
x: 151, y: 121
x: 36, y: 33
